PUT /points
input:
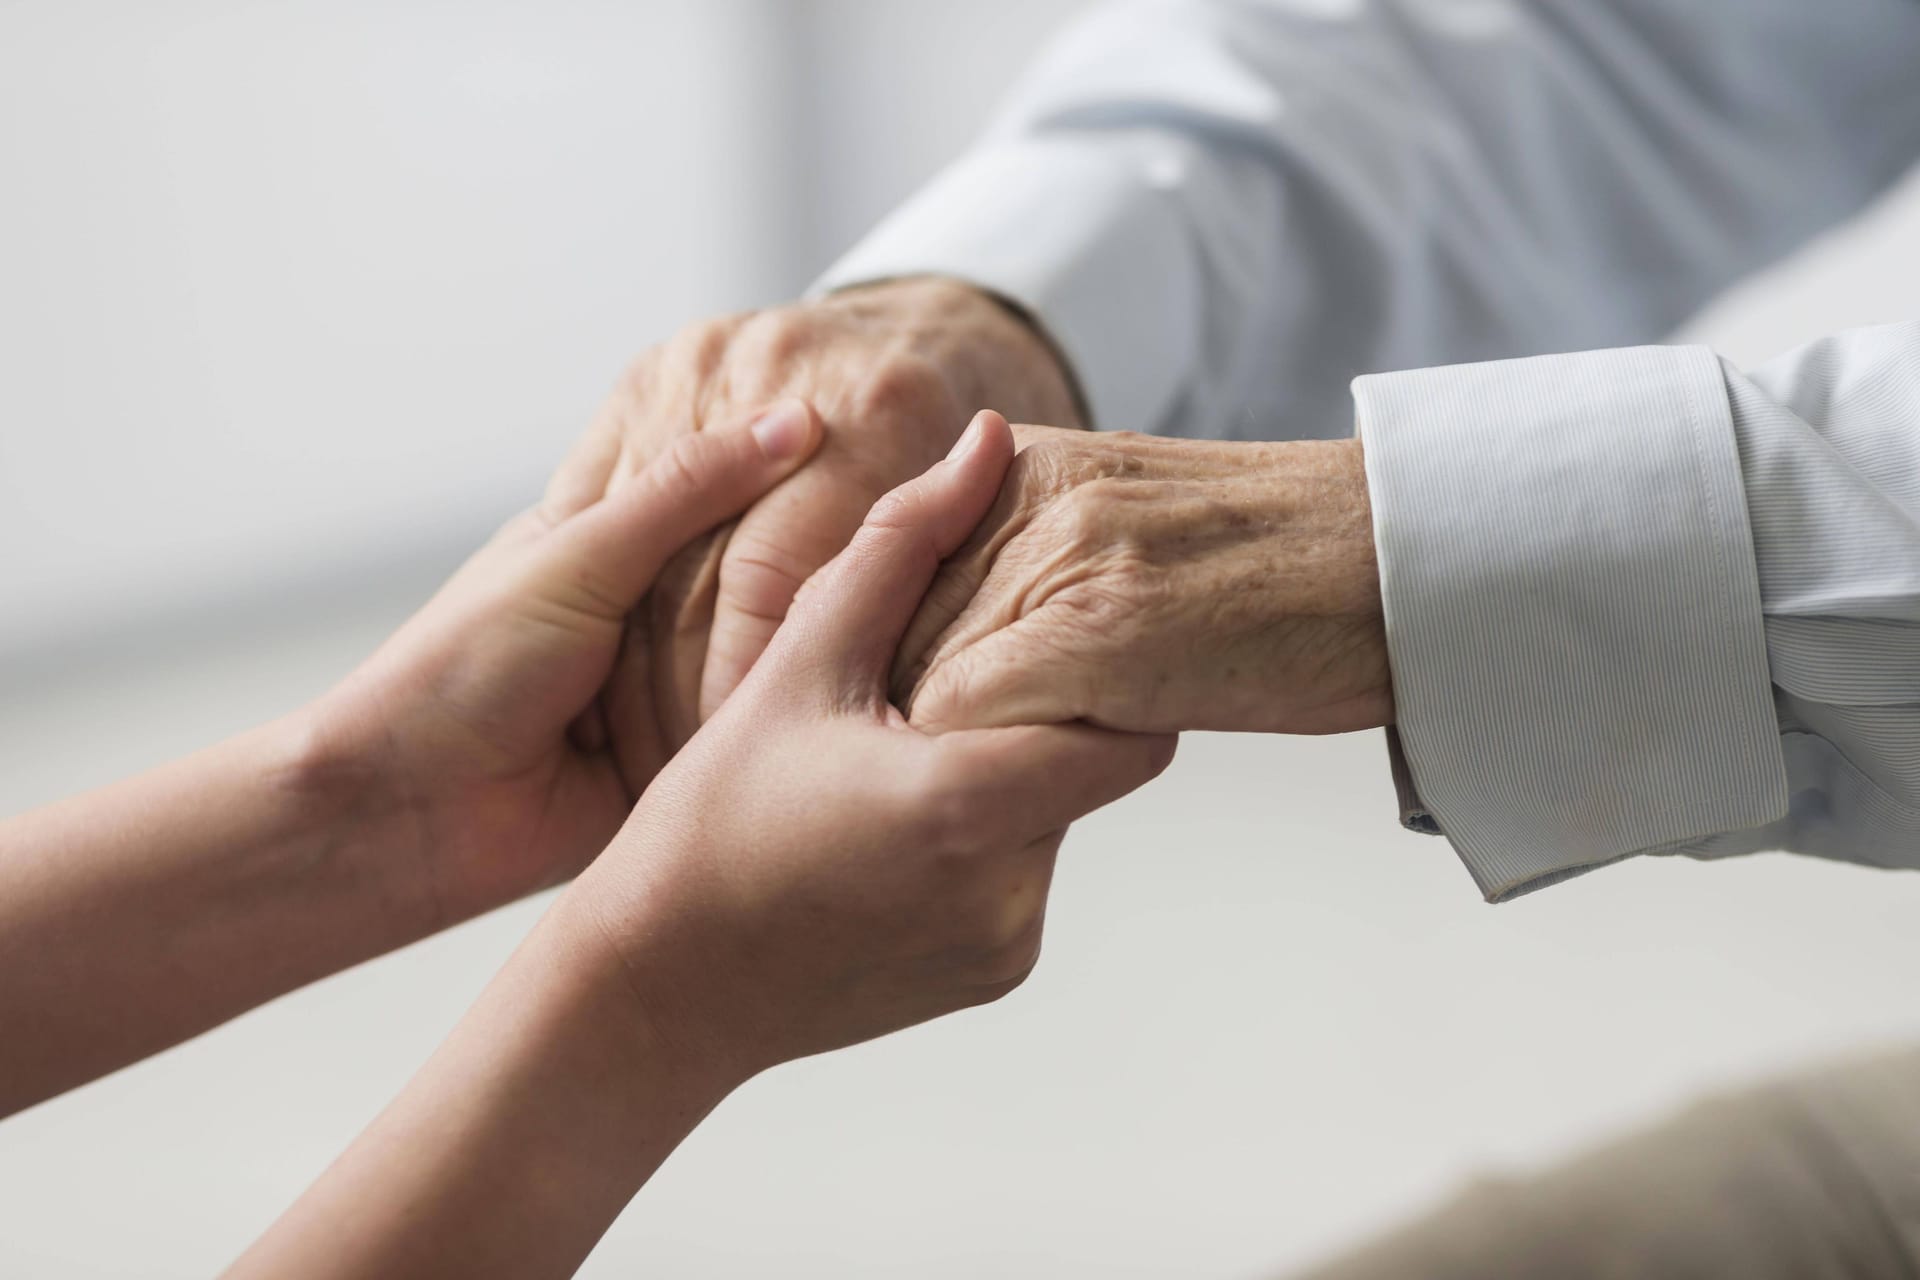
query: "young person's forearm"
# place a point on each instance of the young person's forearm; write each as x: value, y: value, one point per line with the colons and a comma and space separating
x: 139, y: 915
x: 519, y: 1142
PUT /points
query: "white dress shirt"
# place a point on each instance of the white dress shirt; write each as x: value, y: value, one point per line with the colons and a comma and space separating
x: 1636, y: 600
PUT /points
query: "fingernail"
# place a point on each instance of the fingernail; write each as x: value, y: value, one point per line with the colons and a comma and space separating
x: 968, y: 438
x: 783, y: 429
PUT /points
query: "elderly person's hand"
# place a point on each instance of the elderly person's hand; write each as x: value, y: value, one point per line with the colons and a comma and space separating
x: 809, y: 872
x: 894, y: 371
x: 1154, y: 584
x: 817, y: 871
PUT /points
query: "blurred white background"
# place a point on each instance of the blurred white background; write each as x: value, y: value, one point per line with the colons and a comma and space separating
x: 298, y: 299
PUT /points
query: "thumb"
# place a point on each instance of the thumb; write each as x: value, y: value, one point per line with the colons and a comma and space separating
x: 773, y: 550
x: 851, y: 615
x: 603, y: 560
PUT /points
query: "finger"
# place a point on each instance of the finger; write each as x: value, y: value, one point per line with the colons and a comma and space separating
x: 960, y: 608
x: 581, y: 478
x: 851, y: 616
x: 678, y: 615
x: 608, y: 555
x: 1040, y: 778
x: 775, y: 549
x: 1006, y: 677
x: 639, y: 747
x: 956, y: 593
x: 956, y: 590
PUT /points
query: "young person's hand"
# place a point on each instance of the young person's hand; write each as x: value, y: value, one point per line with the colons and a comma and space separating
x: 811, y: 870
x: 808, y: 872
x: 484, y: 751
x: 490, y: 729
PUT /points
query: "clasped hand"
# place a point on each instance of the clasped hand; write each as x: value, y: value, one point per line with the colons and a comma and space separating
x: 810, y: 870
x: 1159, y: 585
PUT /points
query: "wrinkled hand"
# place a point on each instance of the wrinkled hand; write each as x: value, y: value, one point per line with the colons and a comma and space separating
x: 487, y: 733
x: 1155, y: 584
x: 811, y: 870
x: 893, y: 370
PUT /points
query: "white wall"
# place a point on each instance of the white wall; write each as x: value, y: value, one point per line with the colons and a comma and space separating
x: 292, y: 292
x: 293, y: 296
x: 894, y: 89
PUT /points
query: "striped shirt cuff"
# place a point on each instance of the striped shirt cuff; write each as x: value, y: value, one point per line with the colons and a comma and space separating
x: 1573, y: 612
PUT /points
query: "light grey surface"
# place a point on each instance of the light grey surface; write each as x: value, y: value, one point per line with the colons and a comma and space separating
x: 314, y: 290
x: 1267, y: 1020
x: 290, y: 289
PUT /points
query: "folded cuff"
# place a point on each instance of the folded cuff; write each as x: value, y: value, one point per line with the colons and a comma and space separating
x: 1082, y: 234
x: 1573, y: 611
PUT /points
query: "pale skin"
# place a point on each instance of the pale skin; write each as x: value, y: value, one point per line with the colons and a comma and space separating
x: 893, y: 370
x: 471, y: 760
x: 1152, y: 584
x: 1131, y: 581
x: 1098, y: 592
x: 809, y: 872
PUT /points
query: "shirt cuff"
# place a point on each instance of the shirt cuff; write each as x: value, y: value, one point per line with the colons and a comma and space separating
x: 1572, y: 608
x: 1085, y: 236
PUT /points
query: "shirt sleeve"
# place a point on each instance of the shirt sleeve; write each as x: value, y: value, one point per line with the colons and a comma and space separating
x: 1224, y: 210
x: 1638, y: 601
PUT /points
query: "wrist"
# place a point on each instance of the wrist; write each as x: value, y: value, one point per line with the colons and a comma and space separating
x: 330, y: 762
x: 642, y: 953
x: 518, y: 1142
x: 1325, y: 609
x: 629, y: 1005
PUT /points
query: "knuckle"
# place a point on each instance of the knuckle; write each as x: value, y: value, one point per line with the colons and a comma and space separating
x: 761, y: 579
x: 898, y: 509
x: 776, y: 339
x: 684, y: 466
x: 1060, y: 460
x: 905, y: 386
x: 637, y: 378
x: 1090, y: 515
x: 897, y: 526
x: 1042, y: 467
x: 692, y: 354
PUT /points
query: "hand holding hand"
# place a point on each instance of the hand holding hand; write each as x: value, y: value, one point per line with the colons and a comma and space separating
x: 893, y: 370
x: 486, y: 730
x: 1155, y: 584
x: 811, y: 870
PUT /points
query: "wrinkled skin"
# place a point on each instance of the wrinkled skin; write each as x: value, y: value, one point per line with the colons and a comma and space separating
x: 1155, y: 584
x: 811, y: 870
x: 893, y: 370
